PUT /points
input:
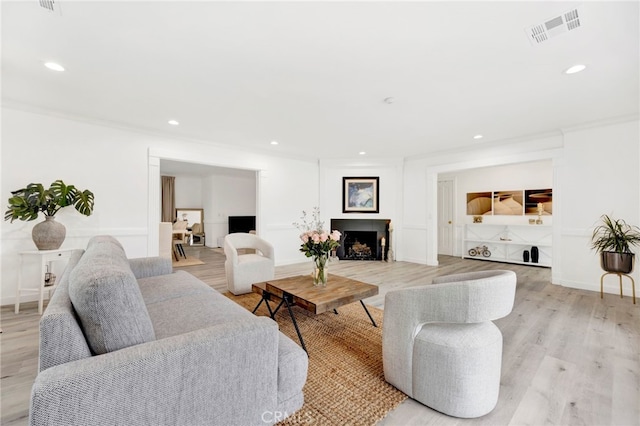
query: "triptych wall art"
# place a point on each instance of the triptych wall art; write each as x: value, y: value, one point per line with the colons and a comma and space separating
x: 533, y: 202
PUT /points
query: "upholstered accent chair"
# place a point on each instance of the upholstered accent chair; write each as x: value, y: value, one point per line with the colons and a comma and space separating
x: 439, y: 344
x: 246, y: 268
x: 197, y: 235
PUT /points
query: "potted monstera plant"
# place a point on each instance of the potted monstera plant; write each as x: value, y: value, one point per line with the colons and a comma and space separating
x: 27, y: 203
x: 613, y: 239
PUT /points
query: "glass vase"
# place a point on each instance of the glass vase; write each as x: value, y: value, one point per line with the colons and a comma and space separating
x: 320, y: 272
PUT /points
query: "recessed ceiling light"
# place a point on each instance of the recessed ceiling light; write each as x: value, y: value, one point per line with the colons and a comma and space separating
x: 362, y: 153
x: 173, y: 122
x: 576, y: 68
x: 478, y: 137
x: 274, y: 142
x: 53, y: 66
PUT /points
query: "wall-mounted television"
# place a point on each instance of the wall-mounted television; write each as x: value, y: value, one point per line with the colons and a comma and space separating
x: 242, y: 224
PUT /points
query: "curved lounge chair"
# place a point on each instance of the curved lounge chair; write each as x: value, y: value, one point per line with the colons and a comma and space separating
x: 439, y: 344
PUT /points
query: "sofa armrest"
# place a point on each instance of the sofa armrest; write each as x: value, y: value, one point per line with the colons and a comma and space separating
x: 224, y: 374
x: 143, y: 267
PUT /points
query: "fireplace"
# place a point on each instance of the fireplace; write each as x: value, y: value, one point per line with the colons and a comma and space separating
x: 360, y: 245
x: 361, y: 238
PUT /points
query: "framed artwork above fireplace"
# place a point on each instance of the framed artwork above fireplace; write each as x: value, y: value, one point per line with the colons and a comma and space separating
x: 360, y: 195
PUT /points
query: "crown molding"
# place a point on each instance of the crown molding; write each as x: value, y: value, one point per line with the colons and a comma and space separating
x: 601, y: 123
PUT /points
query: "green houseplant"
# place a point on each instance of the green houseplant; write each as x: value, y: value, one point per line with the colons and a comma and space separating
x: 27, y: 203
x: 613, y: 239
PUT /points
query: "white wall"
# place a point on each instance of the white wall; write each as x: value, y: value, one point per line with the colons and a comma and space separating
x: 413, y: 247
x: 600, y: 176
x: 390, y: 185
x: 117, y: 165
x: 225, y: 196
x: 287, y: 191
x: 188, y: 192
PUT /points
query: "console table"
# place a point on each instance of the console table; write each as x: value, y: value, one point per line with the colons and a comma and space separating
x: 47, y: 257
x: 506, y: 243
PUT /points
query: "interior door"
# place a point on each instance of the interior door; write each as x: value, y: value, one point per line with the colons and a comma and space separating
x: 445, y: 217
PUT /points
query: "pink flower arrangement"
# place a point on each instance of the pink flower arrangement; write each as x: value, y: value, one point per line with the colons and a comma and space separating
x: 316, y: 241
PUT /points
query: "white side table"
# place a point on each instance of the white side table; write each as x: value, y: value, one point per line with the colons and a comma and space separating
x: 47, y: 257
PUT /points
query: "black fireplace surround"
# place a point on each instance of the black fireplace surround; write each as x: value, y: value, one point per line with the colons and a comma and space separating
x: 361, y: 238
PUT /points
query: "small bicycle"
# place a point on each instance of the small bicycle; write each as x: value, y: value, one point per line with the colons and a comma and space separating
x: 480, y: 251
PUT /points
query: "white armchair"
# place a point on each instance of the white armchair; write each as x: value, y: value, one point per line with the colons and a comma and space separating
x: 439, y: 344
x: 244, y: 269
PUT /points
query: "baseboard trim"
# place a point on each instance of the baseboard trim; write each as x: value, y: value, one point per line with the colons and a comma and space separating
x: 610, y: 286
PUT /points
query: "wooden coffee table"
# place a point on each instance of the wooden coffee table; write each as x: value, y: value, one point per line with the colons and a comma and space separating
x: 300, y: 291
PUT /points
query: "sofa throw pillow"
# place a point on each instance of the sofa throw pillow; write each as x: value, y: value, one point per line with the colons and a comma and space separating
x: 105, y: 295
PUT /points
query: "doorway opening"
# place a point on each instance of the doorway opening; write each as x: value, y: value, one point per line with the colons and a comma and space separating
x: 220, y: 190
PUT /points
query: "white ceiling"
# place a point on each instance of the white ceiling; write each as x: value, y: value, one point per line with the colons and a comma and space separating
x: 313, y: 75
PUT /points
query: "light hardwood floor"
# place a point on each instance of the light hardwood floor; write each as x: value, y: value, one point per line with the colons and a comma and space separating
x: 570, y: 358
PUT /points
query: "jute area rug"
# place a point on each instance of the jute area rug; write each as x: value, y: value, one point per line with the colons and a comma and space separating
x: 189, y: 261
x: 345, y: 384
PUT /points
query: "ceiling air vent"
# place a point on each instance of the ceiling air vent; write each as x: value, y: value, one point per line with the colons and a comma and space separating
x: 51, y: 6
x: 553, y: 27
x: 47, y: 4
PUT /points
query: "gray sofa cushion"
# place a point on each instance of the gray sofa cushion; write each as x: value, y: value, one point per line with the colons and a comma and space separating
x: 194, y: 312
x: 107, y: 299
x: 172, y: 286
x: 179, y: 303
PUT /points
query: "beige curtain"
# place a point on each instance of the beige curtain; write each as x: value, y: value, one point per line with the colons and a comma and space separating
x: 168, y: 198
